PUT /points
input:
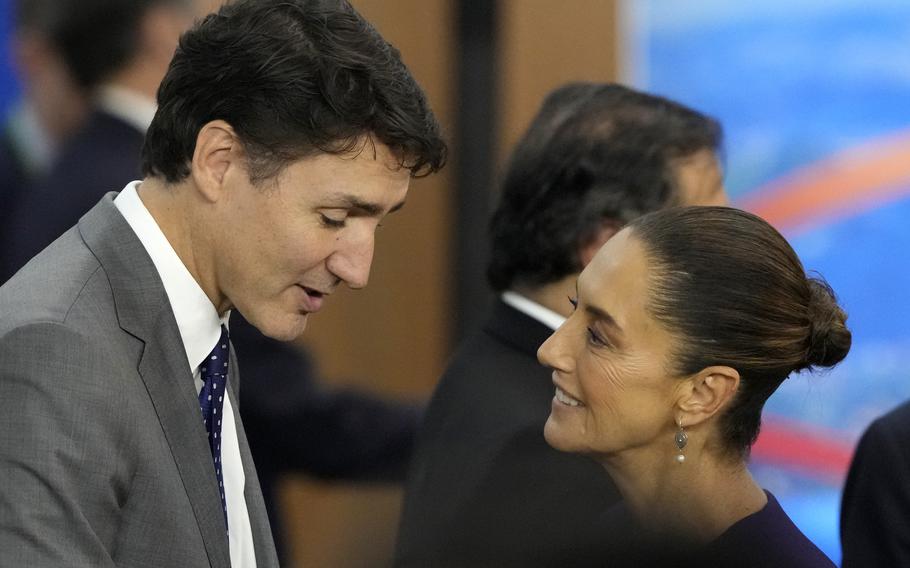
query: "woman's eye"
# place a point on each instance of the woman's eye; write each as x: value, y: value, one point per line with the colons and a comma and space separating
x: 330, y: 222
x: 596, y: 340
x: 574, y: 302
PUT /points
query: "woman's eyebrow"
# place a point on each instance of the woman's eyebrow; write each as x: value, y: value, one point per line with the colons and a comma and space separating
x: 602, y: 315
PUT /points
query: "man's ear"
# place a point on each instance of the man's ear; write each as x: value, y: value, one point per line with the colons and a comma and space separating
x: 706, y: 393
x: 217, y: 149
x: 592, y: 243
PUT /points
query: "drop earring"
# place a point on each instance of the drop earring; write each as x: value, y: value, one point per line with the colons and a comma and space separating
x: 681, y: 440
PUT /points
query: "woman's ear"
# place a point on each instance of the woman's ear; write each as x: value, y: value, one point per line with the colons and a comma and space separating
x: 217, y: 149
x: 706, y: 393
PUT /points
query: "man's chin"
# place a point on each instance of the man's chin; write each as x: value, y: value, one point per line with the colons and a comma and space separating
x: 287, y: 328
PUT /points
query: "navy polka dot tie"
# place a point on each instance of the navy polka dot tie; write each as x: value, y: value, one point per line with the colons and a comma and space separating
x: 214, y: 374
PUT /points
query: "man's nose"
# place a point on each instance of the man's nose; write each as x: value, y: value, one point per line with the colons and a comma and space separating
x: 352, y: 263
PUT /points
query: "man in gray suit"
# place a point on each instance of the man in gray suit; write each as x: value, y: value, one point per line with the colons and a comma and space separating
x: 284, y: 133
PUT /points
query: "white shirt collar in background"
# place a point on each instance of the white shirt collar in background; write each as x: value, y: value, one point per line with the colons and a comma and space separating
x: 532, y: 309
x: 129, y: 106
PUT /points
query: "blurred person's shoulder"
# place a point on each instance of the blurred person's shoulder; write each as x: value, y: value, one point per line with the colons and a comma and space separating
x: 894, y: 423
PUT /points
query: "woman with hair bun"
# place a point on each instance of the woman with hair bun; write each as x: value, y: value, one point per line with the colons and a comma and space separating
x: 685, y: 323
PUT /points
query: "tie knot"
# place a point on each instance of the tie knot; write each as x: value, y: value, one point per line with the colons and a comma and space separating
x: 216, y: 363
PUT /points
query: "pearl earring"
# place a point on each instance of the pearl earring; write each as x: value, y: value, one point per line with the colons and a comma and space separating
x: 681, y: 440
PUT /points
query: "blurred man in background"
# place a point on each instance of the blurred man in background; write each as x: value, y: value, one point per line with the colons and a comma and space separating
x: 51, y: 108
x: 117, y: 52
x: 485, y: 489
x: 876, y: 502
x: 293, y: 424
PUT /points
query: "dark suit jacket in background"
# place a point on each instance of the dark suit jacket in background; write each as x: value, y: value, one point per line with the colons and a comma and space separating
x: 89, y: 165
x: 14, y: 182
x: 875, y: 512
x: 484, y: 488
x: 296, y: 425
x: 12, y: 177
x: 293, y: 425
x: 104, y: 460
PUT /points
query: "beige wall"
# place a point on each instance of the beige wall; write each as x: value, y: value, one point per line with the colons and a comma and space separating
x: 544, y: 44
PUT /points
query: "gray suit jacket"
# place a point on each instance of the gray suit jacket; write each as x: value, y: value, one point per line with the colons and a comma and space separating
x: 104, y: 460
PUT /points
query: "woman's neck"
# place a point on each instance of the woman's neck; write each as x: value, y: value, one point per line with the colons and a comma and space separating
x: 697, y: 500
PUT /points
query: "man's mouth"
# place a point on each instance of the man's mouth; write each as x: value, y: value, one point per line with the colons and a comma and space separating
x: 314, y: 292
x: 314, y: 298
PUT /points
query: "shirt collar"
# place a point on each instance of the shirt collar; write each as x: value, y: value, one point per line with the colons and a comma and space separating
x: 532, y: 309
x: 197, y: 319
x: 129, y: 106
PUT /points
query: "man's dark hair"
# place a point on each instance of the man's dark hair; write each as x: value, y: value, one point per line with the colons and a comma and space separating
x: 95, y: 38
x: 732, y: 292
x: 293, y: 78
x: 593, y: 153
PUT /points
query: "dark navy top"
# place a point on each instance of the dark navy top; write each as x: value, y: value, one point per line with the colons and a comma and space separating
x: 767, y: 538
x: 764, y: 539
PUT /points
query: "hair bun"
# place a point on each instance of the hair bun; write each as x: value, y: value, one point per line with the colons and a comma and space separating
x: 829, y: 338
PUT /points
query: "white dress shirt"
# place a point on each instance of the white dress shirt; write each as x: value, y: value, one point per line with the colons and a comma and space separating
x: 200, y: 330
x: 532, y: 309
x: 131, y: 107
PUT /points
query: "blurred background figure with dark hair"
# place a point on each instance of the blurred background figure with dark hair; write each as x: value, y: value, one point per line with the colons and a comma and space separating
x: 52, y: 106
x: 116, y: 52
x: 484, y: 487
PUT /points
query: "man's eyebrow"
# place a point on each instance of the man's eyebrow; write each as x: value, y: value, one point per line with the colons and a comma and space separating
x: 367, y: 208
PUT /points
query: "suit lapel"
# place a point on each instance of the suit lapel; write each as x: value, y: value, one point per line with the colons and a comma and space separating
x: 170, y: 386
x: 144, y: 312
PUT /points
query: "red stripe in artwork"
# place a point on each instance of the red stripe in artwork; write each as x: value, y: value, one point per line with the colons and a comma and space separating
x: 803, y: 447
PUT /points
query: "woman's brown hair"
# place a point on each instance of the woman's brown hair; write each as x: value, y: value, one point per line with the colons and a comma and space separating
x: 734, y: 293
